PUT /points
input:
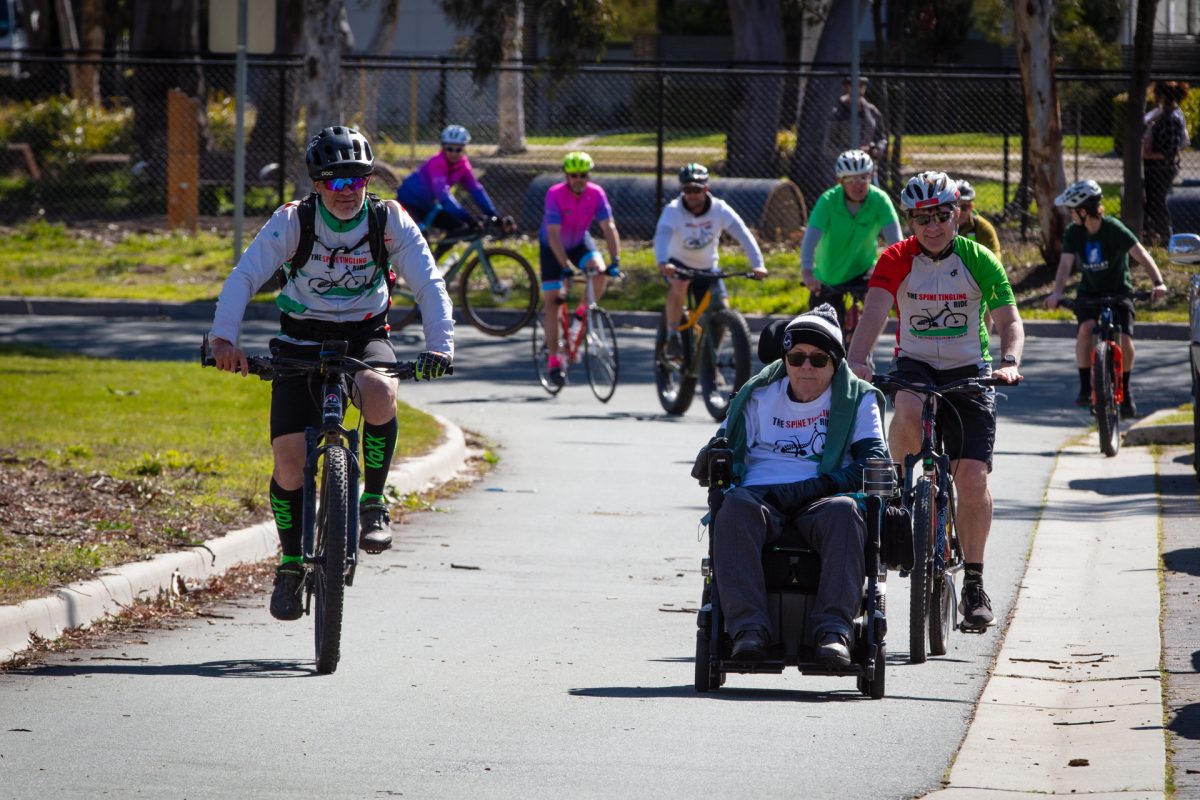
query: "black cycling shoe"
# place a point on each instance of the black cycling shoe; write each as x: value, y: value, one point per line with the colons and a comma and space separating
x: 750, y: 645
x: 1084, y: 398
x: 375, y: 531
x: 1128, y: 407
x: 975, y: 607
x: 285, y: 597
x: 558, y: 376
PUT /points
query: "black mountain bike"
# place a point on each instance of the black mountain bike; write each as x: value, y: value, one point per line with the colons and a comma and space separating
x: 331, y: 472
x: 929, y: 493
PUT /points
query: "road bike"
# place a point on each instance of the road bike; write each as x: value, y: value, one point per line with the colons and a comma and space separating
x: 1184, y: 250
x: 329, y: 519
x: 497, y: 287
x: 848, y: 297
x: 586, y: 333
x: 1108, y: 367
x: 929, y: 493
x: 714, y: 349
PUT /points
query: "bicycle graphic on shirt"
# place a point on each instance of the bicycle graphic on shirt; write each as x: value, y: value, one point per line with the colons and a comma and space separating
x: 944, y: 321
x: 793, y: 446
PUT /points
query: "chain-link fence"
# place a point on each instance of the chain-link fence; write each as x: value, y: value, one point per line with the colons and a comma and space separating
x: 770, y: 137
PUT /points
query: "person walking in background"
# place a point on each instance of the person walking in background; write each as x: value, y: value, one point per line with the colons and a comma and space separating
x: 1164, y: 137
x: 872, y: 138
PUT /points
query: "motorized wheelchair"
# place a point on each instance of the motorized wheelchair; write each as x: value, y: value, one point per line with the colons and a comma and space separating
x: 792, y: 573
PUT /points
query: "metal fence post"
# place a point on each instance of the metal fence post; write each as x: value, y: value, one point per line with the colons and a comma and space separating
x: 281, y: 173
x: 659, y: 112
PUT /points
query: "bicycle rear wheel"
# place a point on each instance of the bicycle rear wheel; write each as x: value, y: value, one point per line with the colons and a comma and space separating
x: 330, y: 573
x: 539, y: 357
x: 675, y: 385
x: 1108, y: 414
x: 726, y: 364
x: 600, y: 354
x: 919, y: 583
x: 499, y: 293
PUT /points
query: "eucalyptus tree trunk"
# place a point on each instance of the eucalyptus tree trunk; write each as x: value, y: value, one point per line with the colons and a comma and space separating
x: 511, y: 84
x: 1035, y: 50
x: 1133, y: 204
x: 326, y: 37
x: 751, y: 147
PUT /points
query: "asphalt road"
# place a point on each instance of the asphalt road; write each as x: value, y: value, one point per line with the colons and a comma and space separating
x: 535, y: 637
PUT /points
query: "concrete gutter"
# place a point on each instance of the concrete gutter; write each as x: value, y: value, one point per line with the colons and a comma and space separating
x: 84, y: 602
x: 1150, y: 431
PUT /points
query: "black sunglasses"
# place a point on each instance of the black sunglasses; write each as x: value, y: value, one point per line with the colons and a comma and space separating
x: 797, y: 359
x: 449, y: 149
x: 936, y: 216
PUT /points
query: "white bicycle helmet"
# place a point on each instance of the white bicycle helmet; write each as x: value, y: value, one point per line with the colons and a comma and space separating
x: 1079, y: 193
x: 965, y: 190
x: 928, y: 190
x: 853, y: 162
x: 456, y: 134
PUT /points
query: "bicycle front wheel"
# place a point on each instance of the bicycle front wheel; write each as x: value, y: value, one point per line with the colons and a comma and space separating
x: 726, y: 364
x: 919, y: 583
x: 600, y: 354
x: 941, y: 608
x: 404, y: 309
x: 672, y: 376
x: 1108, y: 414
x: 540, y: 352
x: 499, y: 292
x: 330, y: 573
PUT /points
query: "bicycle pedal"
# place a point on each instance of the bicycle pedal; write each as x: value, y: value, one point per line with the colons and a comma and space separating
x: 965, y: 628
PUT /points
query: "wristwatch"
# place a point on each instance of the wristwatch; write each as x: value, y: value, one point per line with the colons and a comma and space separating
x: 1009, y: 360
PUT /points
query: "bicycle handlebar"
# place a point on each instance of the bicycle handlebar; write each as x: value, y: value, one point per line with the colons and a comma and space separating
x: 692, y: 272
x: 963, y: 385
x: 269, y: 367
x: 1101, y: 300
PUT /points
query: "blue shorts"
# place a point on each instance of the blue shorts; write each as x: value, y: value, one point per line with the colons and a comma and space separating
x: 579, y: 255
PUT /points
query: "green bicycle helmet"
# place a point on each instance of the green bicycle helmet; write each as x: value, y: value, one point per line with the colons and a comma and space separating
x: 577, y: 161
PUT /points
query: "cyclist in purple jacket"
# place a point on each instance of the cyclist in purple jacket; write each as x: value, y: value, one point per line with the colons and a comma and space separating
x: 566, y: 245
x: 428, y: 193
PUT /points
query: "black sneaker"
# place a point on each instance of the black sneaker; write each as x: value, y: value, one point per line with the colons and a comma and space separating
x: 1128, y: 407
x: 1084, y: 398
x: 673, y: 351
x: 976, y: 607
x: 558, y: 376
x: 375, y: 531
x: 285, y: 597
x: 833, y: 652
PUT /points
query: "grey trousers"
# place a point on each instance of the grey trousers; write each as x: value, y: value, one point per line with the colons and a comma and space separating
x: 833, y: 526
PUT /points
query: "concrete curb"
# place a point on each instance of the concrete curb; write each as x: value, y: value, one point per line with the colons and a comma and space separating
x: 1150, y: 431
x: 53, y: 306
x: 86, y: 601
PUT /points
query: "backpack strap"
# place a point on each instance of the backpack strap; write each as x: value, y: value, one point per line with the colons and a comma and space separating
x: 306, y: 213
x: 376, y: 225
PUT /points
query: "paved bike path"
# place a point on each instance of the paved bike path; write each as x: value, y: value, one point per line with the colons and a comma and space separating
x: 1074, y: 705
x: 84, y: 602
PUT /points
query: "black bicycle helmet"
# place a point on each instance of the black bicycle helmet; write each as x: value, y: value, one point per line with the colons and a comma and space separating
x: 339, y: 152
x: 695, y: 174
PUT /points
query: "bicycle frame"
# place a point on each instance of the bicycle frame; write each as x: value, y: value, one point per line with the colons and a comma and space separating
x: 1104, y: 330
x: 935, y: 465
x: 317, y: 440
x: 697, y: 321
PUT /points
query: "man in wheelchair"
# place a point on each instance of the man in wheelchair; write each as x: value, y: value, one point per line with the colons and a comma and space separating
x: 800, y: 433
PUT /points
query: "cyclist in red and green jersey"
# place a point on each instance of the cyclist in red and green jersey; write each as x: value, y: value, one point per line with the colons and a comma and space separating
x: 842, y: 237
x: 940, y: 284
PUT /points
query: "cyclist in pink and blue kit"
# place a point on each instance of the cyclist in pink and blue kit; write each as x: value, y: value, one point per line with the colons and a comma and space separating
x: 566, y: 245
x: 428, y: 193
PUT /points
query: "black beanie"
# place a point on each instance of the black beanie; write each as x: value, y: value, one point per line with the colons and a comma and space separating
x: 819, y: 328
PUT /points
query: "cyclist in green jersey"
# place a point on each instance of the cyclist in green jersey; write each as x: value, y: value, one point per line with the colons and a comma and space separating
x: 841, y: 241
x: 1101, y: 247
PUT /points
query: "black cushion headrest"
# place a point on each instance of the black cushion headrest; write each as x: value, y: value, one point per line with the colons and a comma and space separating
x: 770, y: 341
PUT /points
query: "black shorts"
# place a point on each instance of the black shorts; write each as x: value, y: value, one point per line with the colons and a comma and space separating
x: 579, y: 255
x: 698, y: 286
x: 296, y: 400
x: 1086, y: 310
x: 966, y: 422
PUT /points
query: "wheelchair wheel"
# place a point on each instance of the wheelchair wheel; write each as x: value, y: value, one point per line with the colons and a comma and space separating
x: 708, y: 677
x: 877, y: 686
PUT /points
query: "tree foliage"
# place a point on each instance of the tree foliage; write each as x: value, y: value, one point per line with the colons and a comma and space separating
x: 1084, y: 30
x: 568, y: 27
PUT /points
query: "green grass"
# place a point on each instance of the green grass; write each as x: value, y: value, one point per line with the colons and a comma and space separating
x: 1180, y: 416
x: 185, y: 443
x: 993, y: 143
